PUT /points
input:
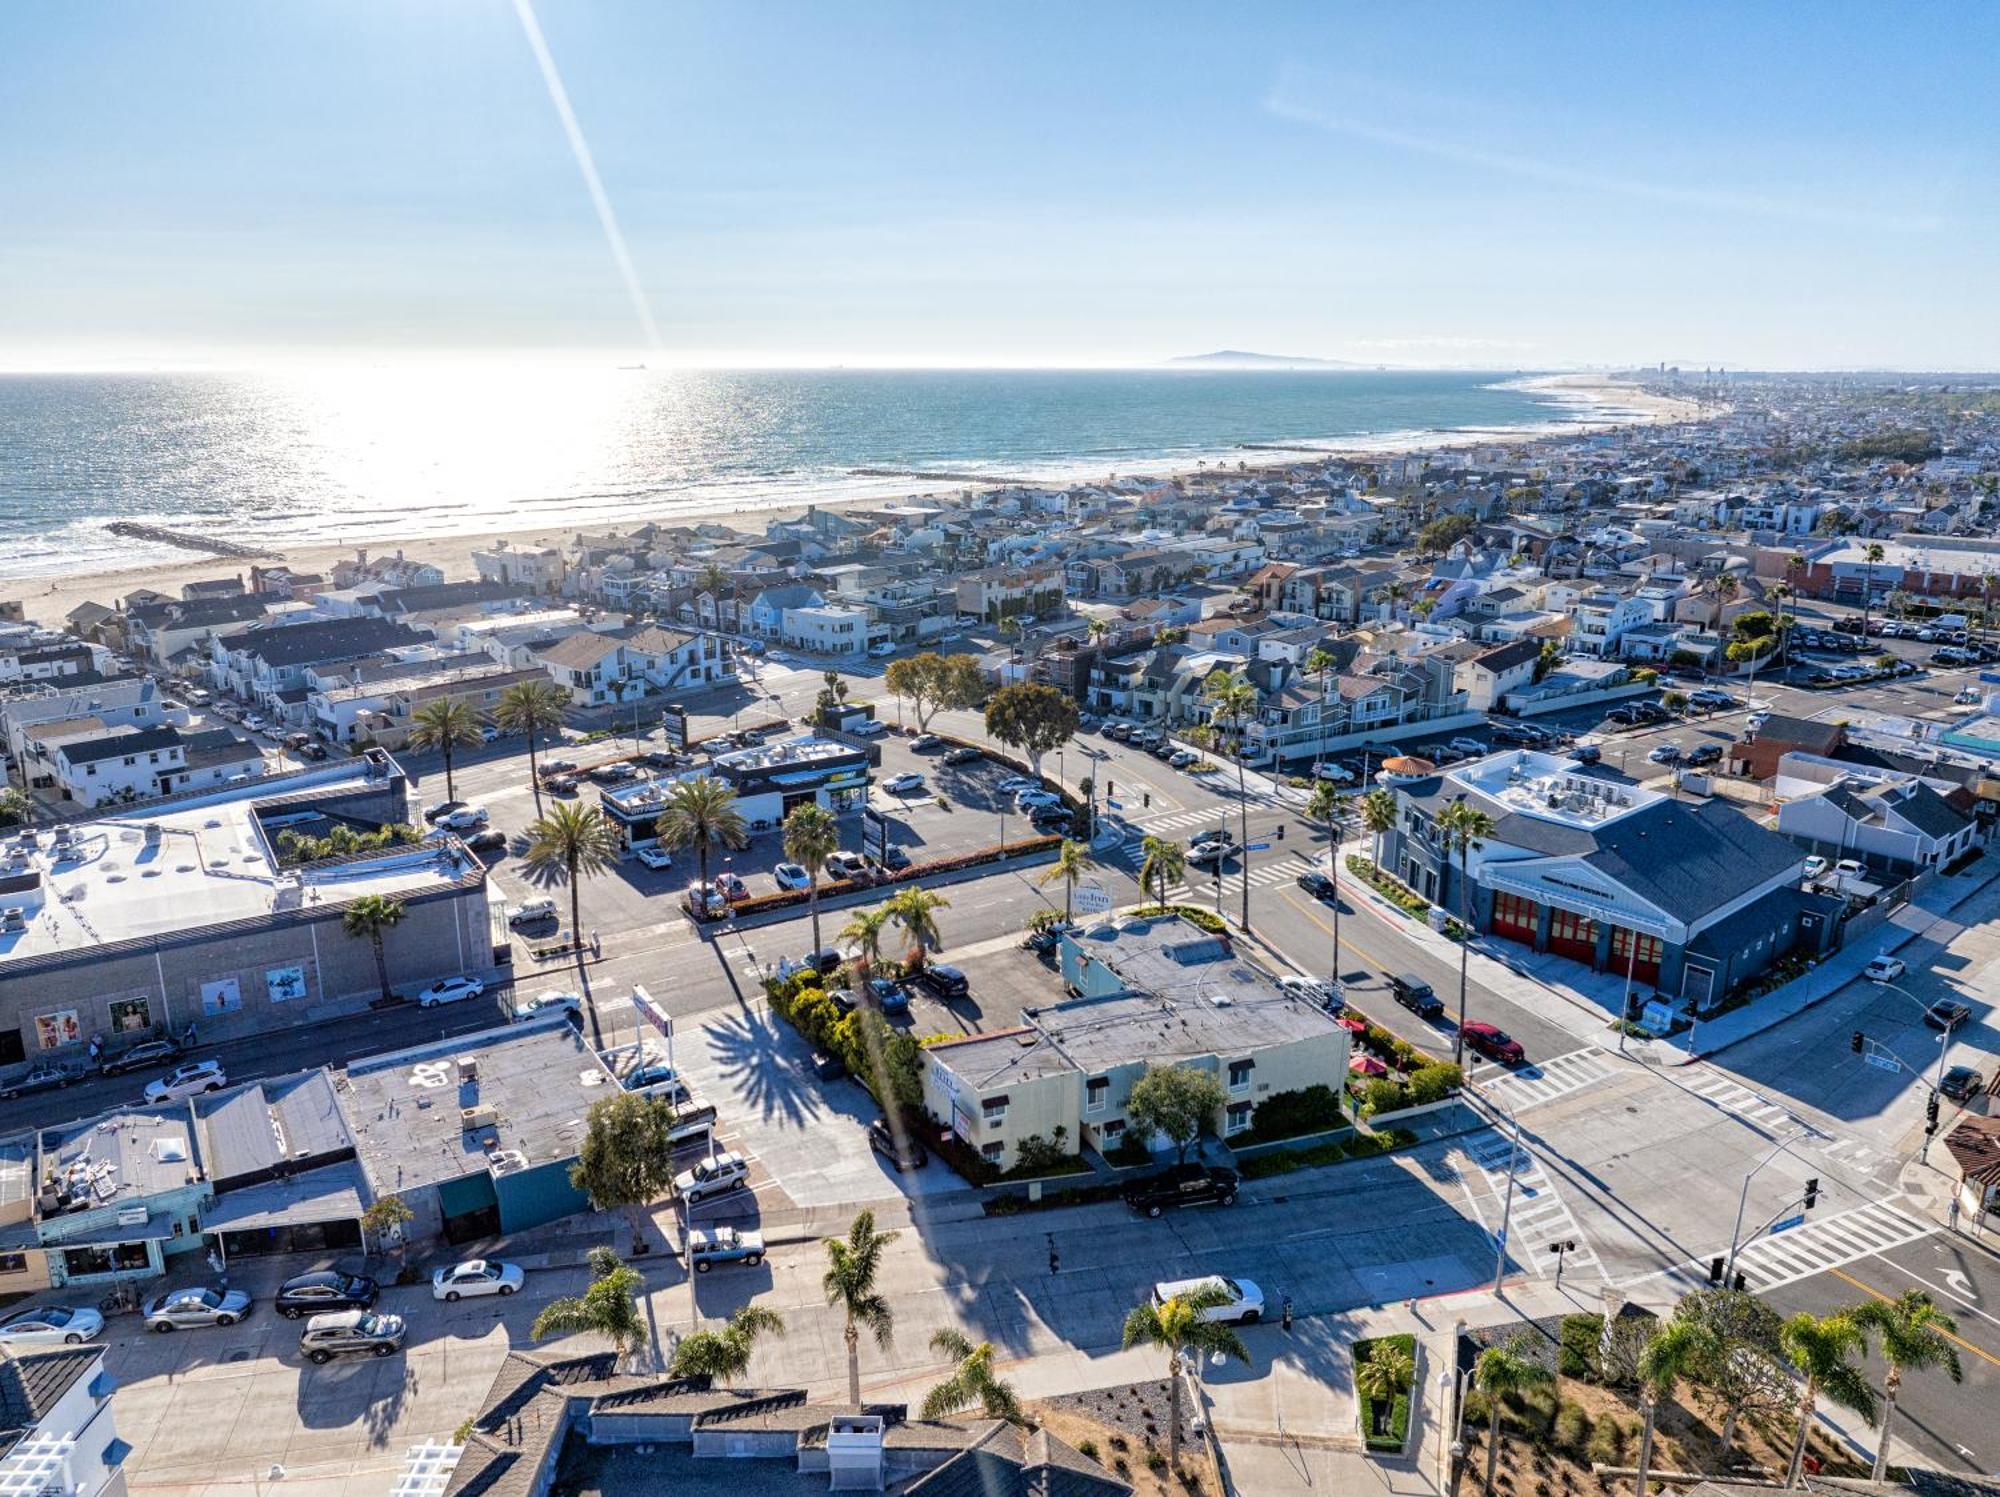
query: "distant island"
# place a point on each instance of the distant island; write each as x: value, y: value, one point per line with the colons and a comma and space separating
x: 1231, y: 358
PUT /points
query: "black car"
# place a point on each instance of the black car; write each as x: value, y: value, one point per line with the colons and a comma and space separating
x: 895, y: 858
x: 1946, y: 1014
x: 1587, y: 753
x: 905, y: 1153
x: 1317, y: 884
x: 1183, y: 1185
x: 140, y: 1056
x: 1961, y: 1083
x: 42, y: 1076
x: 317, y: 1293
x: 1415, y: 994
x: 1703, y: 754
x: 945, y: 981
x: 436, y: 813
x: 966, y: 755
x: 490, y: 840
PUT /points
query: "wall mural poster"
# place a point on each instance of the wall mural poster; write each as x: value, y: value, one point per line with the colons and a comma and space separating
x: 285, y: 984
x: 222, y: 996
x: 53, y: 1031
x: 130, y: 1015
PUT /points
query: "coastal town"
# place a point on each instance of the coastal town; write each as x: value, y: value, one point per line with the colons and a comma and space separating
x: 1509, y: 903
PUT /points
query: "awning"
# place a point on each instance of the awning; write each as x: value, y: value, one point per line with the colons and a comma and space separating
x: 331, y: 1193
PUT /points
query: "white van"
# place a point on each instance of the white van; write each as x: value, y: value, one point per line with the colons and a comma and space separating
x: 1245, y: 1305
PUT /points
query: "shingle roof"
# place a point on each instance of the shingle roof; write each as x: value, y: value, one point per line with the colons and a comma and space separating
x: 1011, y: 1462
x: 325, y: 639
x: 579, y: 651
x: 33, y: 1383
x: 1689, y: 858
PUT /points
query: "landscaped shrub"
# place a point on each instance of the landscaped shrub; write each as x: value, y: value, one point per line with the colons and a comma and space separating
x: 1433, y: 1083
x: 1386, y: 1094
x: 1607, y: 1442
x: 1035, y: 1155
x: 1572, y: 1428
x: 1578, y: 1355
x: 1398, y: 1415
x: 1130, y: 1151
x: 1201, y: 919
x: 1288, y: 1114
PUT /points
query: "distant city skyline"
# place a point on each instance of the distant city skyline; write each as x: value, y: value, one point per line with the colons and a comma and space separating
x: 895, y: 185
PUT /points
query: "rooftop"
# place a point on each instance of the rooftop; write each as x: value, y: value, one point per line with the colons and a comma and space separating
x: 120, y: 1156
x: 1549, y: 788
x: 418, y: 1118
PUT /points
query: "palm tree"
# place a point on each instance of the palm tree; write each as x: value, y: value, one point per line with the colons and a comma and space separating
x: 714, y: 581
x: 1500, y: 1373
x: 1872, y: 553
x: 1181, y: 1329
x: 701, y: 813
x: 1916, y: 1335
x: 1783, y: 594
x: 725, y: 1354
x: 863, y: 932
x: 447, y: 725
x: 1094, y: 632
x: 849, y: 1282
x: 1386, y: 1373
x: 1378, y: 814
x: 1724, y: 588
x: 1071, y: 864
x: 531, y: 708
x: 1322, y: 663
x: 1326, y: 805
x: 369, y: 916
x: 1162, y: 861
x: 569, y: 844
x: 1675, y: 1352
x: 811, y: 837
x: 972, y: 1381
x: 1465, y: 828
x: 915, y: 909
x: 1822, y: 1349
x: 609, y: 1306
x: 1235, y: 699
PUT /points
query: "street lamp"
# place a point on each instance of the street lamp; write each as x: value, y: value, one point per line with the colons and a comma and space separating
x: 1944, y: 1049
x: 1507, y: 1210
x: 1736, y: 1233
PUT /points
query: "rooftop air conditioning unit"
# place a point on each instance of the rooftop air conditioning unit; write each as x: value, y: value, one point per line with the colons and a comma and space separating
x: 468, y: 1068
x: 472, y: 1119
x: 132, y: 1216
x: 506, y: 1161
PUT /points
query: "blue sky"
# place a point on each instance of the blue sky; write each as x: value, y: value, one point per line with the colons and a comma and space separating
x: 1503, y: 186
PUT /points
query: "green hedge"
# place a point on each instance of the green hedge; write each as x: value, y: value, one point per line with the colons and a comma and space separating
x: 1399, y: 1410
x: 1398, y: 893
x: 1201, y: 919
x: 1315, y: 1109
x: 1317, y: 1156
x: 856, y: 1038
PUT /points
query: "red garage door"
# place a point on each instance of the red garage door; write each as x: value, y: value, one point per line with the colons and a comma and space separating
x: 1573, y: 936
x: 1515, y: 918
x: 1645, y: 966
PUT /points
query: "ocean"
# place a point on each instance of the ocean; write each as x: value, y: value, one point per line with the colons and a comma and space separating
x: 354, y: 455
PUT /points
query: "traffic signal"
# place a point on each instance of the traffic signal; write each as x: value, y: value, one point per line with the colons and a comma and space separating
x: 1740, y: 1285
x: 1931, y: 1113
x: 1715, y: 1273
x: 1857, y: 1041
x: 1281, y: 831
x: 1812, y: 1192
x: 1146, y: 798
x: 1110, y: 789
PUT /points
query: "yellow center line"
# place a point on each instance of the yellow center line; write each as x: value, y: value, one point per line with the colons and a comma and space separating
x: 1959, y: 1341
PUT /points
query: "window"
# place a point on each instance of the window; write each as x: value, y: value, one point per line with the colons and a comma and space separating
x: 993, y: 1111
x: 1114, y: 1130
x: 117, y: 1257
x: 13, y: 1263
x: 993, y: 1151
x: 1096, y: 1092
x: 1240, y: 1072
x: 1650, y: 948
x: 1236, y: 1118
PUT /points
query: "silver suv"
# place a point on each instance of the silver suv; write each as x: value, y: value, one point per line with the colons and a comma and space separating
x: 346, y: 1333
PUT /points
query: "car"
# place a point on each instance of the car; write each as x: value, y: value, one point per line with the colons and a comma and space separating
x: 654, y: 856
x: 474, y: 1277
x: 658, y: 1079
x: 1338, y: 774
x: 888, y: 994
x: 1183, y: 1185
x: 1304, y: 989
x: 708, y: 1246
x: 561, y: 784
x: 1947, y: 1014
x: 1756, y: 720
x: 42, y: 1076
x: 555, y: 1001
x: 449, y: 990
x: 489, y: 734
x: 188, y: 1080
x: 557, y: 766
x: 195, y: 1306
x: 488, y: 841
x: 881, y: 651
x: 437, y: 813
x: 255, y: 722
x: 1710, y: 697
x: 791, y: 876
x: 895, y: 858
x: 1494, y: 1043
x: 1214, y: 851
x: 50, y: 1325
x: 1666, y: 753
x: 903, y: 784
x: 1703, y: 755
x: 1413, y: 993
x: 1243, y: 1302
x: 902, y: 1150
x: 1014, y: 784
x: 1028, y: 800
x: 1848, y: 625
x: 964, y: 755
x: 464, y: 819
x: 714, y: 1176
x: 1471, y: 747
x: 1815, y: 866
x: 731, y: 886
x: 869, y: 728
x: 923, y: 743
x: 1587, y: 753
x: 847, y: 865
x: 1848, y: 868
x: 532, y: 912
x: 826, y: 1066
x: 614, y: 774
x: 325, y: 1291
x: 944, y: 979
x: 663, y: 759
x: 1960, y: 1083
x: 1317, y: 884
x: 350, y: 1333
x: 1051, y: 818
x: 141, y: 1057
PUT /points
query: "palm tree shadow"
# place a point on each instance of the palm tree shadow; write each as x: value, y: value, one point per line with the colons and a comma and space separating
x: 752, y: 1051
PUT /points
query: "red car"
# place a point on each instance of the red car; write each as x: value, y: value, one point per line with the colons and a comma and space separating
x: 1494, y: 1043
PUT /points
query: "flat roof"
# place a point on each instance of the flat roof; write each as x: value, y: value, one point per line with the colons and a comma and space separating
x: 194, y: 863
x: 267, y: 1124
x: 407, y: 1109
x: 1547, y: 787
x: 120, y: 1156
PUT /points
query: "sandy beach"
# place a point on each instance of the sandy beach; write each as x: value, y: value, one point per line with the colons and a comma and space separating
x: 1600, y: 401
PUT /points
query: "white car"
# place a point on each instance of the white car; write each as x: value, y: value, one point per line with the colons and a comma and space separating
x: 186, y: 1081
x: 51, y: 1325
x: 489, y: 734
x: 532, y: 912
x: 1015, y: 783
x: 725, y: 1172
x: 1304, y: 987
x: 464, y: 819
x: 655, y: 856
x: 903, y: 784
x: 1339, y: 774
x: 476, y: 1276
x: 1245, y: 1304
x: 1027, y: 800
x: 882, y: 651
x: 450, y: 990
x: 553, y: 1001
x: 1883, y: 969
x: 791, y: 876
x: 1815, y: 866
x: 254, y: 722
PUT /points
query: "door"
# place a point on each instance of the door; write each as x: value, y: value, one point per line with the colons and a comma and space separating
x: 470, y: 1207
x: 1515, y: 917
x: 1573, y: 936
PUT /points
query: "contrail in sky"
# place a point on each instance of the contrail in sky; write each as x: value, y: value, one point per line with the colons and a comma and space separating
x: 580, y: 149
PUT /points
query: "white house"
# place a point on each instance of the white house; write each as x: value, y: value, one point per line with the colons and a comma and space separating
x: 1602, y: 619
x: 830, y: 629
x: 59, y: 1436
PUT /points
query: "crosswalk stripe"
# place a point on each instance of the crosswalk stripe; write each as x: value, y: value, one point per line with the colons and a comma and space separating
x: 1773, y: 1262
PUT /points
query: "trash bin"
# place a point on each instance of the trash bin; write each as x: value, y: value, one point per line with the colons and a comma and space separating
x: 1439, y: 919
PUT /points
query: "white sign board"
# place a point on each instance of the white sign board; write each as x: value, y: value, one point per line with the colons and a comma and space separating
x: 1090, y: 899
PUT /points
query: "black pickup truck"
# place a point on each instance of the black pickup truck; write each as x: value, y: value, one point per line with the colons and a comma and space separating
x: 1183, y: 1185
